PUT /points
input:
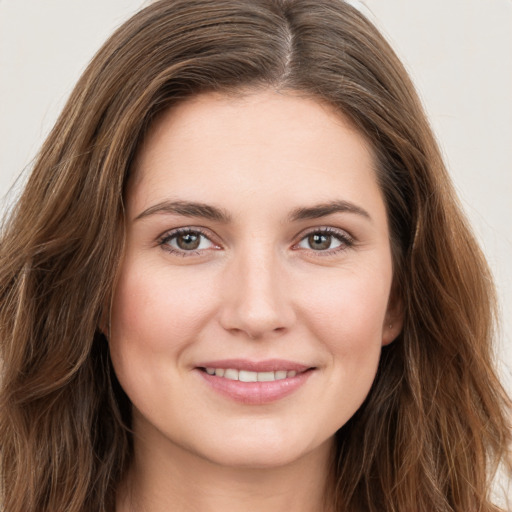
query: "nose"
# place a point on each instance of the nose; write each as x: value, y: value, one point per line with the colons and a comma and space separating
x: 257, y: 302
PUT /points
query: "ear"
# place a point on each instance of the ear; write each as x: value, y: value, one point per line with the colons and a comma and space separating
x: 104, y: 322
x: 103, y: 329
x: 394, y: 319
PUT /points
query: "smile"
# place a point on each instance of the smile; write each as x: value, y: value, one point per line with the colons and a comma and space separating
x: 254, y: 383
x: 248, y: 376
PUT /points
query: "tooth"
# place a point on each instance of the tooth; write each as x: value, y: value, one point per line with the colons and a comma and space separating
x: 266, y: 376
x: 245, y: 376
x: 248, y: 376
x: 231, y: 374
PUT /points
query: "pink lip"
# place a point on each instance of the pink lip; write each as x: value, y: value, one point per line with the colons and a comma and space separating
x: 270, y: 365
x: 255, y: 393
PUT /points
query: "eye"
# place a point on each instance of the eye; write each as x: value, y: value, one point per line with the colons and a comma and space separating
x: 186, y: 240
x: 325, y: 240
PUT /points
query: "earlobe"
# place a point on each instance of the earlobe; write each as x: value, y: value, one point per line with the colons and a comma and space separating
x: 104, y: 322
x: 391, y: 332
x: 103, y: 331
x: 394, y: 321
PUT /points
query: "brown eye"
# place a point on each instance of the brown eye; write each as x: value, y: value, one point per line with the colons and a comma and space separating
x: 327, y: 240
x: 319, y: 241
x: 188, y: 241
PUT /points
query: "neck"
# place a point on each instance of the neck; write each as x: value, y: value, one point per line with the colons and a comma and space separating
x: 175, y: 479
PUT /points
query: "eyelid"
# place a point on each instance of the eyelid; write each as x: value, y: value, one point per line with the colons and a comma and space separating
x: 342, y: 235
x: 171, y: 233
x: 346, y: 239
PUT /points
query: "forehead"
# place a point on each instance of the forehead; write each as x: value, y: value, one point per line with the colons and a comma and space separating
x: 280, y: 145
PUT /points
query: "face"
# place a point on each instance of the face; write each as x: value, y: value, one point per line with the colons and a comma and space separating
x: 254, y: 294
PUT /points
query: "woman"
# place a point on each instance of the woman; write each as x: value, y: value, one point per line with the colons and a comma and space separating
x: 238, y: 277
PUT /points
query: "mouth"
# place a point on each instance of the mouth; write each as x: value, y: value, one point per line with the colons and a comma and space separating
x: 249, y: 376
x: 254, y: 383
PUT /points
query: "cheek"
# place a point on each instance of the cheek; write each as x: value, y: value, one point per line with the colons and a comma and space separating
x: 156, y: 315
x: 347, y: 316
x: 156, y: 308
x: 344, y: 313
x: 349, y: 308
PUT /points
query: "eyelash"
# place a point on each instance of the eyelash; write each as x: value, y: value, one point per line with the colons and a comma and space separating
x: 346, y: 241
x: 170, y: 235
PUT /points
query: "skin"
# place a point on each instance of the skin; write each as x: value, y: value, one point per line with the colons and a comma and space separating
x: 256, y: 288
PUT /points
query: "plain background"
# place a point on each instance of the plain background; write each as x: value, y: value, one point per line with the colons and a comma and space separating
x: 459, y: 53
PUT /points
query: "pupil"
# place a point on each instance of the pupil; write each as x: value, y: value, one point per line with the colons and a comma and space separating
x: 318, y: 241
x: 189, y: 241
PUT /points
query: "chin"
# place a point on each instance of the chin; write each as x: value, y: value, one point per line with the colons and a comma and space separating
x: 260, y: 452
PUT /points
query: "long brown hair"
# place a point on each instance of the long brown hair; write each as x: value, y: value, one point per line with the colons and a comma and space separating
x: 434, y: 426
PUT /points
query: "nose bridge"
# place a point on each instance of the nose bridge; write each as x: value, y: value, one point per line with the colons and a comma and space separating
x: 257, y: 303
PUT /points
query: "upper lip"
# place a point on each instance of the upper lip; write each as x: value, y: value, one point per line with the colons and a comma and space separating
x: 269, y: 365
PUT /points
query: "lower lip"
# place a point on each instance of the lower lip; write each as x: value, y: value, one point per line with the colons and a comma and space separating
x: 256, y: 393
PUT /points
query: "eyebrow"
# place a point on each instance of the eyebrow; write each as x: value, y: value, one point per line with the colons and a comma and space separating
x: 329, y: 208
x: 188, y: 209
x: 206, y: 211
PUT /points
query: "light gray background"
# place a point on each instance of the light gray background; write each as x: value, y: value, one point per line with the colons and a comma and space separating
x: 459, y: 53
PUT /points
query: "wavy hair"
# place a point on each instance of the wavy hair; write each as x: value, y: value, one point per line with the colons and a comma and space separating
x: 435, y: 424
